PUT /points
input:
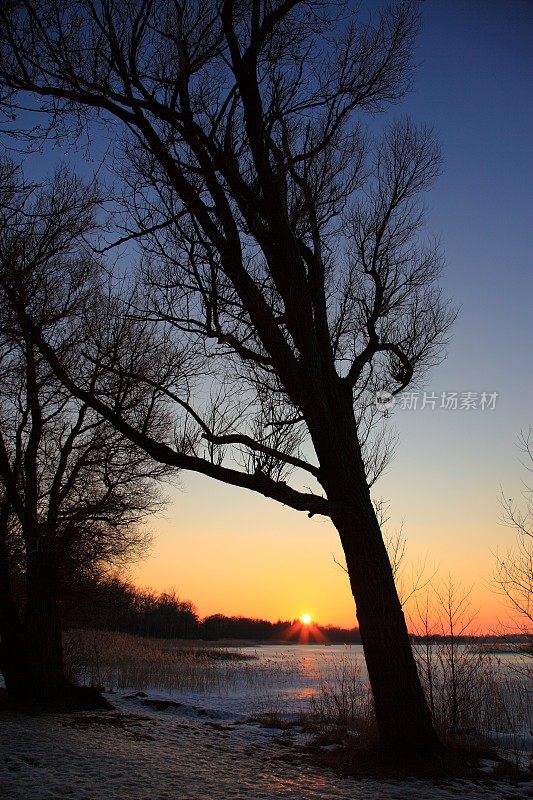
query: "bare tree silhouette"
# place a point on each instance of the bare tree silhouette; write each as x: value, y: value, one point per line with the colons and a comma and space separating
x: 514, y: 567
x: 72, y: 489
x: 281, y: 246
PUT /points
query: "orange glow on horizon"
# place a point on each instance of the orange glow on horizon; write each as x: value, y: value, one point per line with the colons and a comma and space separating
x: 235, y: 554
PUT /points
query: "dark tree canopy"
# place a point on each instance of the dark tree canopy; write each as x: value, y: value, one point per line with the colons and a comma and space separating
x: 74, y: 487
x: 278, y: 238
x: 282, y: 255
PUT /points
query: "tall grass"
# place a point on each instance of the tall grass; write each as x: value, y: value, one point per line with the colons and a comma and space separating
x: 111, y: 661
x: 343, y: 697
x: 473, y: 698
x: 472, y: 693
x: 457, y: 681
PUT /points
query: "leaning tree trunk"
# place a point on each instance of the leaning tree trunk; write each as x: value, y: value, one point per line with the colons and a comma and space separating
x: 402, y: 713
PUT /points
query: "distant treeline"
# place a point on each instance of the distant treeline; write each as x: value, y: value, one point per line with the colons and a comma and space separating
x: 220, y: 627
x: 117, y: 605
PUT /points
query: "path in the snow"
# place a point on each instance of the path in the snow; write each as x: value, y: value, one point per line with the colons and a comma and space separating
x: 142, y: 754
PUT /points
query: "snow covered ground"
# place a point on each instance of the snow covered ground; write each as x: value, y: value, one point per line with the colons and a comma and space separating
x: 187, y: 751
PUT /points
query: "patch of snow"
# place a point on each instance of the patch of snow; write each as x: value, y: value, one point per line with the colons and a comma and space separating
x: 141, y: 753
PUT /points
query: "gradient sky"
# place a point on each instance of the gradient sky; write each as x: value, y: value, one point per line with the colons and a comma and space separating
x: 235, y: 553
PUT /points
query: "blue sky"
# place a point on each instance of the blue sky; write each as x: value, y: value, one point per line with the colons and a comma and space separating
x: 473, y: 85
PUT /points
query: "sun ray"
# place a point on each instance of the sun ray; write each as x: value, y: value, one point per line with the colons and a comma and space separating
x: 304, y: 632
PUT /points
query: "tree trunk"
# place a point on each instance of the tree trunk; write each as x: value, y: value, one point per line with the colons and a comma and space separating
x: 402, y: 713
x: 31, y: 652
x: 13, y: 664
x: 42, y: 632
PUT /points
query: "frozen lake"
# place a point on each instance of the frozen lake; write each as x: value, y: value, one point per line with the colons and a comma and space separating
x: 279, y: 679
x: 283, y: 679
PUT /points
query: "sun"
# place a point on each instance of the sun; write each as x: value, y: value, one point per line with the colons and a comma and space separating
x: 306, y: 619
